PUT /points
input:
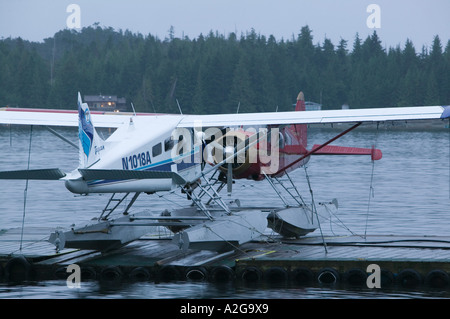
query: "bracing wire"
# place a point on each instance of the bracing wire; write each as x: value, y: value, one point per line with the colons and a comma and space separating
x: 26, y: 190
x: 371, y: 189
x: 314, y: 209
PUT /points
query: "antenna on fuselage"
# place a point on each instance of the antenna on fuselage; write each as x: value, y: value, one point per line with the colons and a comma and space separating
x: 179, y: 107
x: 134, y: 111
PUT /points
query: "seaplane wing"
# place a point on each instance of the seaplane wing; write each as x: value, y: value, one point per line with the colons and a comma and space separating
x: 318, y: 117
x: 49, y: 117
x: 53, y: 117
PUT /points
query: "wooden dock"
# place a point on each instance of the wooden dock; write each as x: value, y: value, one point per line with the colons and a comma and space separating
x: 410, y: 262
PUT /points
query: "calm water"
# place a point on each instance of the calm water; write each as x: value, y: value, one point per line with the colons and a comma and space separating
x: 410, y: 197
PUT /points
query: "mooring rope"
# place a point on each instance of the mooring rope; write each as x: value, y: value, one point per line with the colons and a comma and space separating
x: 340, y: 224
x: 261, y: 233
x: 37, y: 241
x: 228, y: 242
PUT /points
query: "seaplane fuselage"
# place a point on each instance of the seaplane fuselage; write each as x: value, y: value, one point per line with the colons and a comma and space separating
x: 147, y: 143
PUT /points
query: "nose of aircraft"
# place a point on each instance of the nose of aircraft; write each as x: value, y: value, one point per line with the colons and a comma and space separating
x: 77, y: 186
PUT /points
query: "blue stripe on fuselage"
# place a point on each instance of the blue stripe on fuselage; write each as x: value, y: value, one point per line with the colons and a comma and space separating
x: 108, y: 181
x: 163, y: 166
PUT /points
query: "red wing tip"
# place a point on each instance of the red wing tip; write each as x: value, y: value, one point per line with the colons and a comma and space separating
x: 376, y: 154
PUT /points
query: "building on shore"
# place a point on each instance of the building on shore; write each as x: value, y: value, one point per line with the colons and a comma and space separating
x: 106, y: 103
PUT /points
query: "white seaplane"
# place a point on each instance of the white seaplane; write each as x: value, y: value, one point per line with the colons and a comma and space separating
x: 150, y: 153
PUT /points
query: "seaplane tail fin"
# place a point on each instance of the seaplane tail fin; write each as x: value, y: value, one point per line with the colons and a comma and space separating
x: 90, y: 143
x: 301, y: 129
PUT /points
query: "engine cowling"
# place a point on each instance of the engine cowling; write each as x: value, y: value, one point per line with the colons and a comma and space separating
x: 246, y: 163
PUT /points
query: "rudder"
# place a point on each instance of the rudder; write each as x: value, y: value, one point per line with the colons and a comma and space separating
x: 90, y: 143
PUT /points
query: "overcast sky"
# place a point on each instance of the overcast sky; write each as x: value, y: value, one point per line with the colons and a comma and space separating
x: 417, y: 20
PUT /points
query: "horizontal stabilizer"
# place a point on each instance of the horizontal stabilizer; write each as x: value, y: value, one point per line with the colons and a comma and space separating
x: 37, y: 174
x: 119, y: 174
x: 344, y: 150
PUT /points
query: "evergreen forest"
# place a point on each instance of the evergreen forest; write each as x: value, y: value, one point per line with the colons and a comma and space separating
x: 218, y: 73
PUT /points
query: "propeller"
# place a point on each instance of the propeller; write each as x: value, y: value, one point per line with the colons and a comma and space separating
x: 228, y: 148
x: 239, y: 152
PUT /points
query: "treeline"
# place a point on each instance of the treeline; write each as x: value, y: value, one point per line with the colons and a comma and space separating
x: 215, y: 73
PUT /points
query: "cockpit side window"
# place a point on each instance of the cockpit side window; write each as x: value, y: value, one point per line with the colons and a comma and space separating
x: 156, y: 150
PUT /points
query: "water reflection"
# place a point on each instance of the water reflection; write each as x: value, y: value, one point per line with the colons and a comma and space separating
x: 204, y: 290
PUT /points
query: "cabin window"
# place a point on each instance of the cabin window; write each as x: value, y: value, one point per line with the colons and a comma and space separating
x: 281, y: 143
x: 157, y: 150
x: 168, y: 144
x: 288, y: 139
